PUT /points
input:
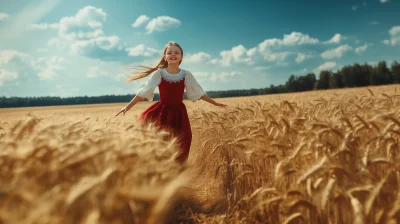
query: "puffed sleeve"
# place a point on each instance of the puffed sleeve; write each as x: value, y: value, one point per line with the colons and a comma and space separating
x: 147, y: 89
x: 193, y: 89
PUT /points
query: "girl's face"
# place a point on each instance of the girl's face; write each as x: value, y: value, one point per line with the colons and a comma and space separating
x: 173, y: 54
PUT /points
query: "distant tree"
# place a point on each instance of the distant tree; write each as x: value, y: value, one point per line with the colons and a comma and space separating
x: 335, y: 80
x: 348, y: 78
x: 381, y: 74
x: 324, y: 80
x: 396, y: 72
x: 309, y: 81
x: 291, y: 84
x: 364, y: 75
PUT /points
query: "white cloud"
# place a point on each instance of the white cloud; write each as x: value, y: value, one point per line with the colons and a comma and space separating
x: 273, y: 49
x: 384, y: 1
x: 336, y: 52
x: 262, y: 68
x: 44, y: 26
x: 48, y: 67
x: 326, y: 66
x: 8, y: 55
x: 301, y: 57
x: 3, y: 16
x: 94, y: 72
x: 104, y: 47
x: 394, y: 33
x: 276, y: 57
x: 140, y: 21
x: 295, y: 38
x: 252, y: 51
x: 87, y: 23
x: 335, y: 39
x: 59, y: 43
x: 374, y: 23
x: 394, y: 30
x: 222, y: 76
x: 199, y: 57
x: 238, y: 54
x: 6, y: 76
x: 361, y: 49
x: 200, y: 75
x: 215, y: 76
x: 142, y: 50
x: 162, y: 23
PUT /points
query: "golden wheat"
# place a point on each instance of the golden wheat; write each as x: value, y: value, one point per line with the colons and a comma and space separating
x: 286, y: 158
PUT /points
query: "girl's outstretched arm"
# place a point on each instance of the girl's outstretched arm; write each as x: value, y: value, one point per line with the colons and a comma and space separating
x: 208, y: 99
x: 144, y: 92
x: 130, y: 105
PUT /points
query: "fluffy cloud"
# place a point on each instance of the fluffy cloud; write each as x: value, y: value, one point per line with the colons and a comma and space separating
x: 140, y: 21
x: 278, y: 50
x: 199, y: 57
x: 394, y: 33
x: 3, y: 16
x: 7, y: 56
x: 105, y: 48
x: 215, y: 76
x: 279, y: 57
x: 335, y: 39
x: 82, y: 34
x: 238, y: 54
x: 6, y: 75
x: 87, y: 23
x: 48, y: 67
x: 329, y: 65
x: 336, y: 52
x: 95, y: 71
x: 361, y: 49
x: 44, y: 67
x: 162, y: 23
x: 295, y: 38
x: 274, y: 50
x: 384, y: 1
x: 44, y: 26
x: 301, y: 57
x: 142, y: 50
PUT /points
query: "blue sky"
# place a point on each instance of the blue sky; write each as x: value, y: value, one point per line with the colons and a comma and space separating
x: 75, y: 48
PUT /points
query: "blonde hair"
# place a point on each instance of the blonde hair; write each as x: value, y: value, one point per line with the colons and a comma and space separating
x: 162, y: 63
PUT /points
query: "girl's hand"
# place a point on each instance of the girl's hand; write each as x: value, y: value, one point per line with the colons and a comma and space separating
x: 123, y: 110
x: 220, y: 105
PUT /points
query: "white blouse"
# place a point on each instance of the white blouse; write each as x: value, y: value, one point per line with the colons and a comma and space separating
x: 193, y: 90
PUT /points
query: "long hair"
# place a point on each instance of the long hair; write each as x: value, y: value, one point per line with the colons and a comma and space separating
x: 162, y: 63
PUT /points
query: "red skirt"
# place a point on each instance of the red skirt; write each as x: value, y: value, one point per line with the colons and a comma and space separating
x: 174, y: 119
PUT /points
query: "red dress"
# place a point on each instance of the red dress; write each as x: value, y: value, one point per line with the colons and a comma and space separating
x: 170, y: 113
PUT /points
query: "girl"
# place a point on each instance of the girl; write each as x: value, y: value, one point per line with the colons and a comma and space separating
x: 169, y: 113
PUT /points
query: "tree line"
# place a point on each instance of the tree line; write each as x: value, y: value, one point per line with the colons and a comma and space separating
x: 355, y: 75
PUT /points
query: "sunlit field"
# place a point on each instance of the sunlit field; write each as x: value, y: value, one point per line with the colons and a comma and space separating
x: 315, y: 157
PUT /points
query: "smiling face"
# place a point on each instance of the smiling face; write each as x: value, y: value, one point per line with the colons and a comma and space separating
x: 173, y: 54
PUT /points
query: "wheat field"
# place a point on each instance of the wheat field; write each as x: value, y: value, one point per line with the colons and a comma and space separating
x: 315, y: 157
